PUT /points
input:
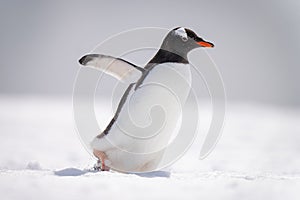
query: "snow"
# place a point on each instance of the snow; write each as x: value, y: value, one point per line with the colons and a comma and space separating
x: 34, y: 165
x: 42, y: 157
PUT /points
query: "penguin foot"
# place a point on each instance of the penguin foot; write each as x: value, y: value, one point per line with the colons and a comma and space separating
x: 97, y: 166
x: 100, y: 166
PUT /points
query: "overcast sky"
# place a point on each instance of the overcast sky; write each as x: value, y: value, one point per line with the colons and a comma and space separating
x: 257, y: 42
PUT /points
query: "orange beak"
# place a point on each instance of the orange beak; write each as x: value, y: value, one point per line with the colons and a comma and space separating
x: 205, y: 44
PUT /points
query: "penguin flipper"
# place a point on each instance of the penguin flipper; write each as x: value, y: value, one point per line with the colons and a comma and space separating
x: 116, y: 67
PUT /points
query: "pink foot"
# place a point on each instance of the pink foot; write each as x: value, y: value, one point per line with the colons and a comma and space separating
x: 102, y: 157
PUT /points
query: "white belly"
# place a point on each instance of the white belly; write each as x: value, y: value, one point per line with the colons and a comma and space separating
x: 148, y: 119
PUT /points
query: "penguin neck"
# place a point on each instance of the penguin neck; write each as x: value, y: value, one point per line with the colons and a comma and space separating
x: 165, y: 55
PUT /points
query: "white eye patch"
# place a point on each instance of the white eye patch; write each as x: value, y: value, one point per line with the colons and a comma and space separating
x: 181, y: 32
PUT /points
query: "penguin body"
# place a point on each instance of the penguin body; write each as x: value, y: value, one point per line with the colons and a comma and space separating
x: 132, y: 132
x: 149, y: 112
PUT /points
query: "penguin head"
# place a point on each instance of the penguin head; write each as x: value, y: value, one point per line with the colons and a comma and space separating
x: 182, y: 40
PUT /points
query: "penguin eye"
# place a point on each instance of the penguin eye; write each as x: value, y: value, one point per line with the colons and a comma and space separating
x: 184, y: 39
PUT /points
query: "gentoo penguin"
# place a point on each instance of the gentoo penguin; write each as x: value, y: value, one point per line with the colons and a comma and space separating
x: 149, y: 112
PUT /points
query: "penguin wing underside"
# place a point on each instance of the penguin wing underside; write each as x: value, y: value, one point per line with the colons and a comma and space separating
x: 116, y: 67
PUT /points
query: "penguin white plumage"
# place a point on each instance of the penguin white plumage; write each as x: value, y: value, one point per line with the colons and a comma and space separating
x: 150, y: 109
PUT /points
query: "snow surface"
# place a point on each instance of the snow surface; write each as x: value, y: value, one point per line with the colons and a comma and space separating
x: 42, y: 157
